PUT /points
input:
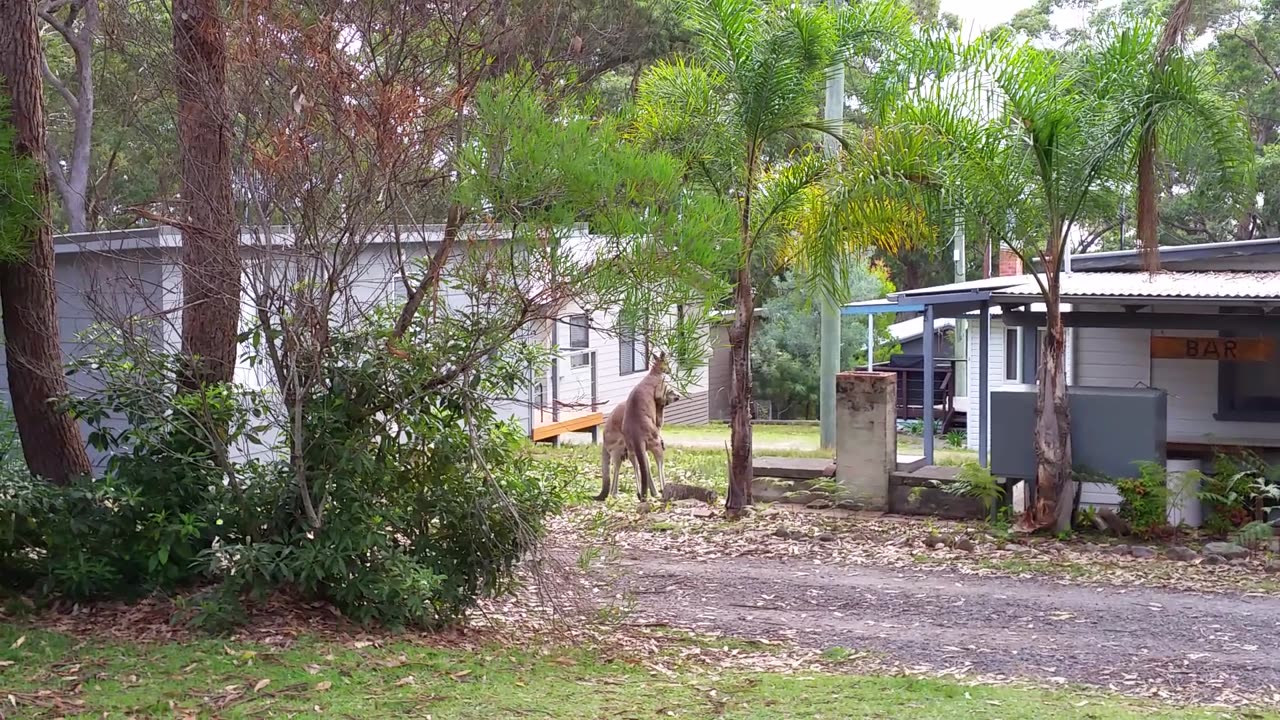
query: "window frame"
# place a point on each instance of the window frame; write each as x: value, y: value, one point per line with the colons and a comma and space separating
x: 1017, y: 355
x: 581, y: 322
x: 1228, y: 380
x: 627, y: 341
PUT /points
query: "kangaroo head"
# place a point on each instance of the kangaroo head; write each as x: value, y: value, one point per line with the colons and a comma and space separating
x: 669, y: 396
x: 660, y: 364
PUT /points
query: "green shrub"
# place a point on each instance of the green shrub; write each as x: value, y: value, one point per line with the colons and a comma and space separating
x: 973, y: 480
x: 1239, y: 486
x: 1145, y: 500
x: 398, y: 506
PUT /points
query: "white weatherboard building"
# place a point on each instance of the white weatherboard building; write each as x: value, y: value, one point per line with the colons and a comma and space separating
x: 1204, y: 333
x: 117, y: 275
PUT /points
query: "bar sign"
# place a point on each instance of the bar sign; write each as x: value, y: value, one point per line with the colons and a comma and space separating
x: 1222, y: 349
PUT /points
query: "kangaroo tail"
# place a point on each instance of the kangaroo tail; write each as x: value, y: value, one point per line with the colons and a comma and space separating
x: 604, y: 473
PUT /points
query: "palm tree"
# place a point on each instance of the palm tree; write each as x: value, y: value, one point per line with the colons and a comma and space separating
x: 741, y: 115
x: 1024, y: 155
x: 1167, y: 98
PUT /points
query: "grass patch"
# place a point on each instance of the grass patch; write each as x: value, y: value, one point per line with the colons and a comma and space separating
x: 315, y: 679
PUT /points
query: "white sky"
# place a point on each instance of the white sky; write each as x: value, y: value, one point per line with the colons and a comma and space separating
x: 978, y: 15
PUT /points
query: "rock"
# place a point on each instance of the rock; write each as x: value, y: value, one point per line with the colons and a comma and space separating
x: 933, y: 540
x: 1142, y: 552
x: 643, y: 507
x: 1181, y: 554
x: 1213, y: 560
x: 820, y: 504
x: 1230, y: 551
x: 1093, y: 547
x: 1238, y: 562
x: 964, y: 544
x: 1017, y: 549
x: 1272, y: 566
x: 679, y: 492
x: 826, y: 537
x: 703, y: 511
x: 784, y: 533
x: 1119, y: 549
x: 849, y: 505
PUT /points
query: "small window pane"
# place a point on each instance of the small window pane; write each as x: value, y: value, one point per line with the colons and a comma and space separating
x: 579, y: 337
x: 1012, y: 358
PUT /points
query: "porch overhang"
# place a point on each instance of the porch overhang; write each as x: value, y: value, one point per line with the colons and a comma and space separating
x: 955, y: 301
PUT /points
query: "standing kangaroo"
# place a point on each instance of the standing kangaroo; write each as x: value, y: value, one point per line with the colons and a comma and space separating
x: 641, y: 425
x: 613, y: 448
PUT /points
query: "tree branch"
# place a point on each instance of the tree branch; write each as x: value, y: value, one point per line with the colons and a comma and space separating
x: 70, y: 99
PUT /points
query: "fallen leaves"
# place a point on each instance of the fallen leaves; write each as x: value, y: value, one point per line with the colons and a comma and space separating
x: 261, y: 684
x: 18, y: 643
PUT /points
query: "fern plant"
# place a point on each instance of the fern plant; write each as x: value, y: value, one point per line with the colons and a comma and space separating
x: 975, y: 481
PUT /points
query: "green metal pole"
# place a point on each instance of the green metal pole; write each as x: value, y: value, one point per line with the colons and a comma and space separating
x: 829, y: 343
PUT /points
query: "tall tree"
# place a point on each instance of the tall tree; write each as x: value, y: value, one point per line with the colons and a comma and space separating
x: 1168, y: 98
x: 742, y: 114
x: 51, y: 441
x: 76, y: 22
x: 210, y: 233
x: 1025, y: 150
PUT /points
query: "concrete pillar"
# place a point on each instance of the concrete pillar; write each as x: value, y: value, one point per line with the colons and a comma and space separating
x: 866, y: 436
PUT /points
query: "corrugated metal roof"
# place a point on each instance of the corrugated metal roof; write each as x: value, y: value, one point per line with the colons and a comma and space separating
x: 914, y: 328
x: 1189, y: 285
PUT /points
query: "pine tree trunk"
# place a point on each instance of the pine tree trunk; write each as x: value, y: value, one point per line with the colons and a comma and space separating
x: 210, y: 236
x: 51, y: 441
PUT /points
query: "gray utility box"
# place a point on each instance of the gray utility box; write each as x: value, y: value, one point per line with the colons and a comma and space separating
x: 1112, y: 430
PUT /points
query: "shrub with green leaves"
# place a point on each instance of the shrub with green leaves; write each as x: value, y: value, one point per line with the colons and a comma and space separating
x: 398, y: 506
x: 1144, y: 500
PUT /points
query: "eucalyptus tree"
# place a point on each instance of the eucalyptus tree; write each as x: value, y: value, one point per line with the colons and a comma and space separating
x: 741, y: 113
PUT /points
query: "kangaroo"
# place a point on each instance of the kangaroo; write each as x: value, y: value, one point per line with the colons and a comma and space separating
x: 641, y: 428
x: 613, y: 448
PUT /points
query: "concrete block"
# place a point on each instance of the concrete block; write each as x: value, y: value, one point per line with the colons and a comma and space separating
x: 866, y: 436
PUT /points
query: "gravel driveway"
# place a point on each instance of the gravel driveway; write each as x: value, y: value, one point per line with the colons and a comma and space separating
x: 1191, y: 646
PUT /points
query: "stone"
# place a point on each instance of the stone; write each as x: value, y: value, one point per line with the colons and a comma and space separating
x: 964, y: 544
x: 826, y: 537
x: 1213, y: 560
x: 784, y: 532
x: 1272, y: 566
x: 849, y: 505
x: 1230, y: 551
x: 934, y: 540
x: 1094, y: 548
x: 1018, y: 549
x: 1181, y: 554
x: 1239, y: 562
x: 1142, y: 552
x: 1119, y: 549
x: 820, y: 504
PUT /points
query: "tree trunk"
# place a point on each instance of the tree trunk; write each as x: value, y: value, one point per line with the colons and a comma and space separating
x: 210, y: 237
x: 51, y: 441
x: 1053, y: 425
x: 79, y: 28
x: 1148, y: 194
x: 740, y: 474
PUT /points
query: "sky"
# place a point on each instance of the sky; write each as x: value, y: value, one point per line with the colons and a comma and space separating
x: 982, y: 14
x: 979, y: 15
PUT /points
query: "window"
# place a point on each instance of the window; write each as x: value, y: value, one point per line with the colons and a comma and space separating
x: 1250, y: 391
x: 579, y: 335
x: 633, y: 352
x: 539, y: 395
x: 1012, y: 355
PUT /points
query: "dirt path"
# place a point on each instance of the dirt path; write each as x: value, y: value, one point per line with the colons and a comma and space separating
x: 1147, y: 641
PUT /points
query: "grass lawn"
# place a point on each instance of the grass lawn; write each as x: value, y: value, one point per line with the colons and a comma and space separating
x: 316, y: 679
x: 697, y: 454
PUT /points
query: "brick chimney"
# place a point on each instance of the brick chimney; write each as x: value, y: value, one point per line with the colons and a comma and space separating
x: 1010, y: 264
